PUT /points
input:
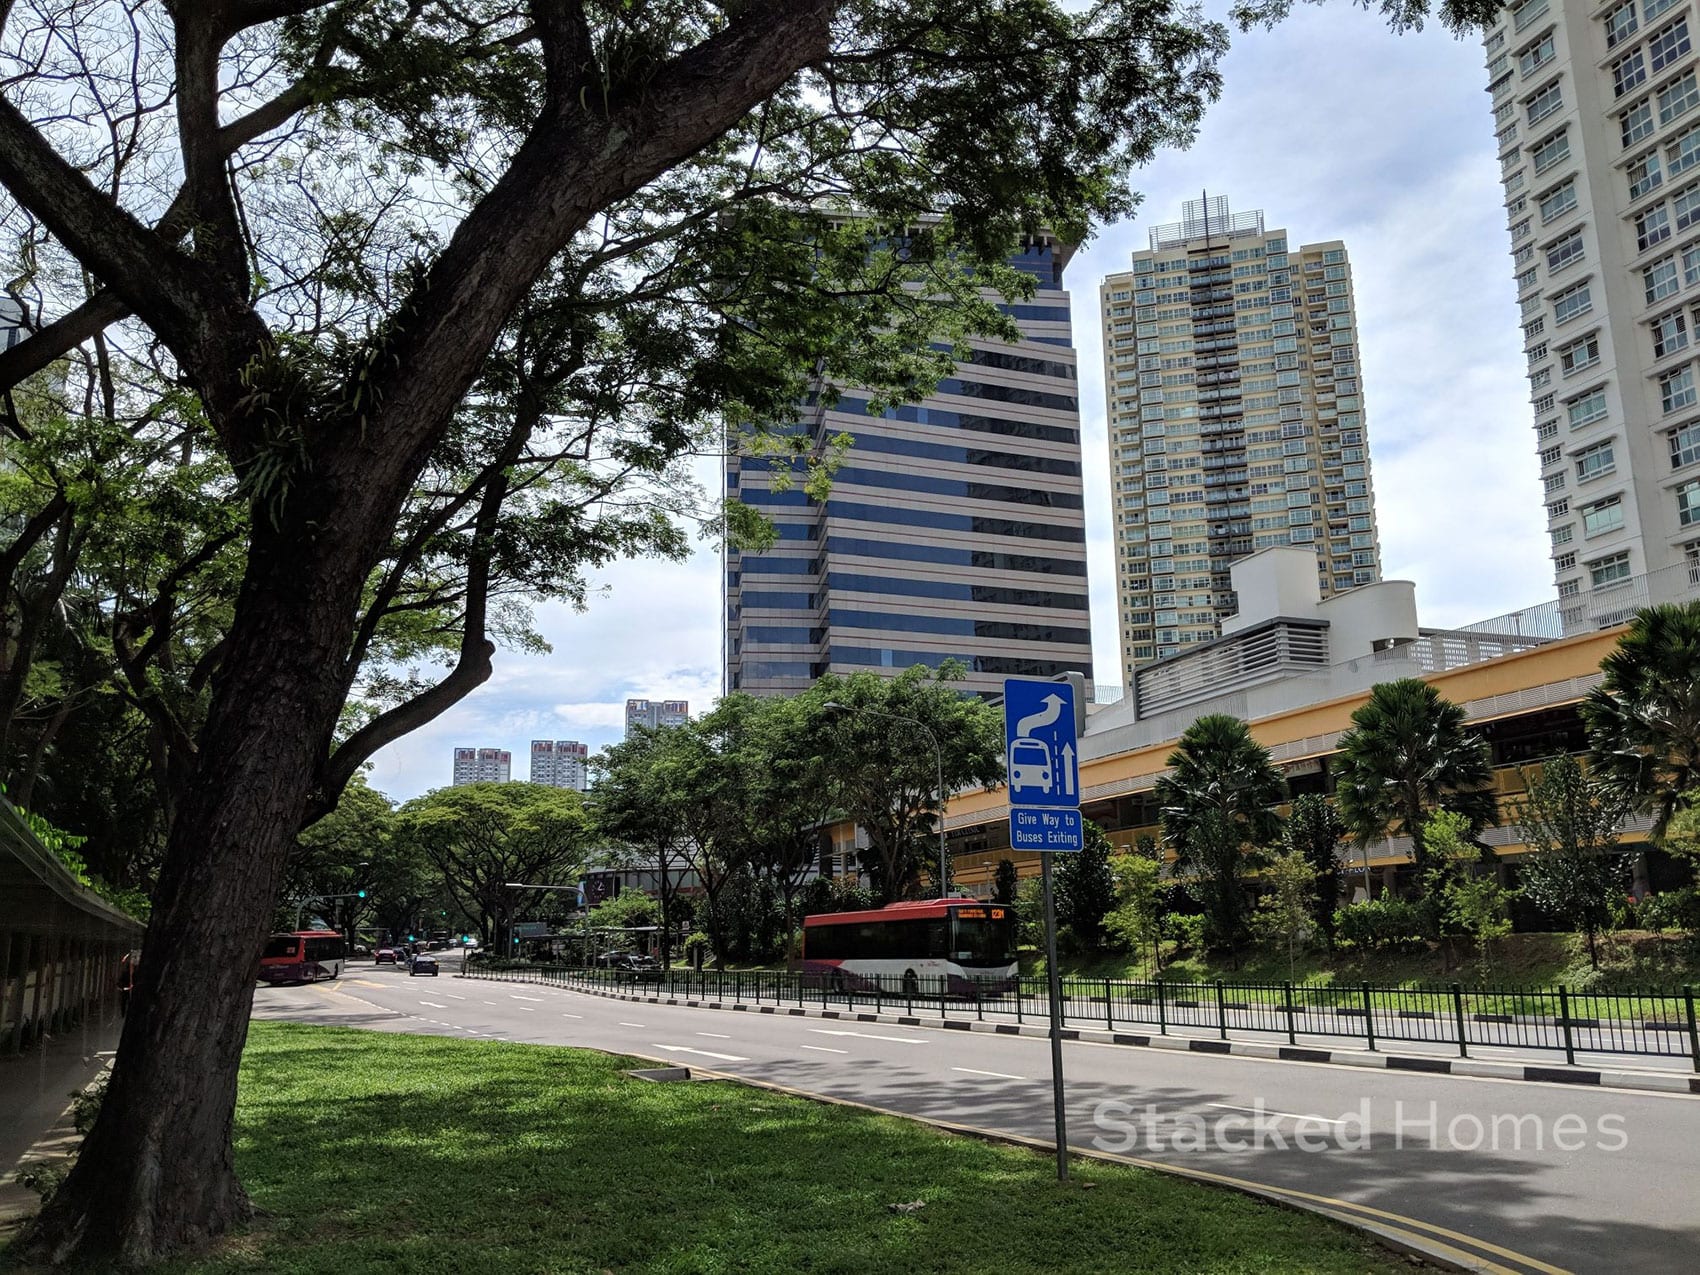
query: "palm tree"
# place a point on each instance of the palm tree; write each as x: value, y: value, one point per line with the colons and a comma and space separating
x: 1217, y: 804
x: 1406, y: 756
x: 1643, y: 719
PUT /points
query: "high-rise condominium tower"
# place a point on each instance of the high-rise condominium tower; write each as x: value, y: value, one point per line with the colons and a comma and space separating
x: 559, y: 763
x: 954, y: 530
x: 656, y: 713
x: 1597, y: 116
x: 482, y: 766
x: 1235, y: 400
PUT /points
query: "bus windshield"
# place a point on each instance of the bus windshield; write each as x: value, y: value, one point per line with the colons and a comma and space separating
x: 982, y: 936
x: 280, y: 947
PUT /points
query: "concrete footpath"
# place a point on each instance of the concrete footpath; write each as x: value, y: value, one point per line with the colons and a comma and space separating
x: 35, y: 1109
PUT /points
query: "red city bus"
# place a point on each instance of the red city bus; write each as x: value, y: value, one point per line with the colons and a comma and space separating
x: 956, y: 945
x: 305, y: 956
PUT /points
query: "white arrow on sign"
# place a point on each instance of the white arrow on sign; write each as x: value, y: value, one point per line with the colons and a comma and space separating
x: 1068, y: 770
x: 706, y: 1053
x: 1044, y: 717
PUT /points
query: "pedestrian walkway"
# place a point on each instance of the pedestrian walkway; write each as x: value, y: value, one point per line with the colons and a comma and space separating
x: 35, y: 1108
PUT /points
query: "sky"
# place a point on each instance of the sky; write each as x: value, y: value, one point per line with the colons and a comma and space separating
x: 1337, y: 129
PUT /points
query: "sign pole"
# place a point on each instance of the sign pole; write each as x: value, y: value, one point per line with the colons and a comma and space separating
x: 1054, y: 978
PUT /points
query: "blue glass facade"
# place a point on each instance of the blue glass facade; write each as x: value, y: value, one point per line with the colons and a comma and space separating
x: 955, y: 528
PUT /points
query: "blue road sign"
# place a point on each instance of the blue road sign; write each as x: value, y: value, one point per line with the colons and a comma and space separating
x: 1042, y: 757
x: 1044, y: 829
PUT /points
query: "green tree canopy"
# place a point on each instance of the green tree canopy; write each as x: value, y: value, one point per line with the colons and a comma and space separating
x: 482, y: 838
x: 886, y: 742
x: 1643, y: 719
x: 1406, y: 756
x: 1217, y: 806
x: 1575, y: 871
x: 1314, y: 829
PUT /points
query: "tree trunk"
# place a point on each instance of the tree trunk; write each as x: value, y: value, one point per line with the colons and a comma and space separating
x: 157, y: 1171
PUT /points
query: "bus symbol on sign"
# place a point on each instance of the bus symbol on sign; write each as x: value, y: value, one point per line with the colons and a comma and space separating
x: 1042, y: 758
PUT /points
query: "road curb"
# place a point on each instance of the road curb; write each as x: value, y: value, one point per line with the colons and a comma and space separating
x: 1648, y: 1082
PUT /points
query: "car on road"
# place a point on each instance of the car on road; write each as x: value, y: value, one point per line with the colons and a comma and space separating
x: 386, y: 954
x: 627, y: 961
x: 422, y: 964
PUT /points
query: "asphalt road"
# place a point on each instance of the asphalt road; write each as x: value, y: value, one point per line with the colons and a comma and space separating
x: 1512, y: 1175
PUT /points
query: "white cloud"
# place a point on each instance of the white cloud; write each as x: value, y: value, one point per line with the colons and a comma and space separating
x: 1338, y: 129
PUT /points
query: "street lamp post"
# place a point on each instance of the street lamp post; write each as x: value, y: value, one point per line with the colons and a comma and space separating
x: 938, y: 760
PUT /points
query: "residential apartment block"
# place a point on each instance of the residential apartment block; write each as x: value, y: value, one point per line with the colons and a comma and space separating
x: 1234, y: 395
x: 655, y: 713
x: 482, y: 766
x: 955, y: 529
x: 1597, y: 116
x: 560, y: 763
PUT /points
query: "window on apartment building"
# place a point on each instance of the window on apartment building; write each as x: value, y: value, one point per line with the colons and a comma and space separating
x: 1546, y: 430
x: 1572, y: 302
x: 1536, y: 55
x: 1563, y: 535
x: 1660, y: 280
x: 1670, y: 333
x: 1558, y: 201
x: 1678, y: 97
x: 1595, y: 462
x: 1565, y: 251
x: 1676, y: 389
x: 1620, y: 24
x: 1666, y: 46
x: 1685, y: 206
x: 1543, y: 405
x: 1528, y: 279
x: 1569, y: 588
x: 1533, y: 330
x: 1602, y: 515
x: 1558, y: 508
x: 1564, y: 562
x: 1609, y: 570
x: 1685, y: 445
x: 1637, y: 122
x: 1691, y: 265
x: 1688, y: 503
x: 1587, y: 409
x: 1644, y: 174
x: 1553, y: 482
x: 1628, y: 72
x: 1580, y: 354
x: 1539, y: 106
x: 1652, y: 227
x: 1683, y: 151
x: 1651, y: 9
x: 1537, y: 353
x: 1550, y: 150
x: 1551, y: 456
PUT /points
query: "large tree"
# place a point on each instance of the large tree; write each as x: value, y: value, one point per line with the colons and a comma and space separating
x: 1643, y: 718
x: 1217, y: 806
x: 888, y: 742
x: 1575, y: 871
x: 485, y: 839
x: 1406, y: 756
x: 1313, y: 828
x: 324, y: 217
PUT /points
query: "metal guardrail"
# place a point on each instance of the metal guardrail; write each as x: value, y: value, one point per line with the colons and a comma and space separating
x: 1651, y: 1024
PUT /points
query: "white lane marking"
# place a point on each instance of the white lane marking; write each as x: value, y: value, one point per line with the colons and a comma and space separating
x: 825, y: 1049
x: 901, y: 1040
x: 515, y: 996
x: 625, y: 1024
x: 572, y: 1015
x: 999, y: 1075
x: 686, y: 1049
x: 453, y: 997
x: 490, y: 1002
x: 715, y: 1035
x: 433, y: 1004
x: 1277, y: 1115
x: 525, y: 1009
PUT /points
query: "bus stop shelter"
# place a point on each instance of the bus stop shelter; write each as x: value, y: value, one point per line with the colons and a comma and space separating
x: 60, y: 943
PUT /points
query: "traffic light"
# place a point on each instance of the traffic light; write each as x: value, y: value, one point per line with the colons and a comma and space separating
x: 360, y: 894
x: 410, y: 938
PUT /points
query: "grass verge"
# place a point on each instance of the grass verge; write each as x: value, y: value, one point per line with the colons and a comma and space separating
x: 373, y: 1152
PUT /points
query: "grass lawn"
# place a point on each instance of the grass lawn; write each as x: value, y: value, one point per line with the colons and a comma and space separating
x: 393, y: 1154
